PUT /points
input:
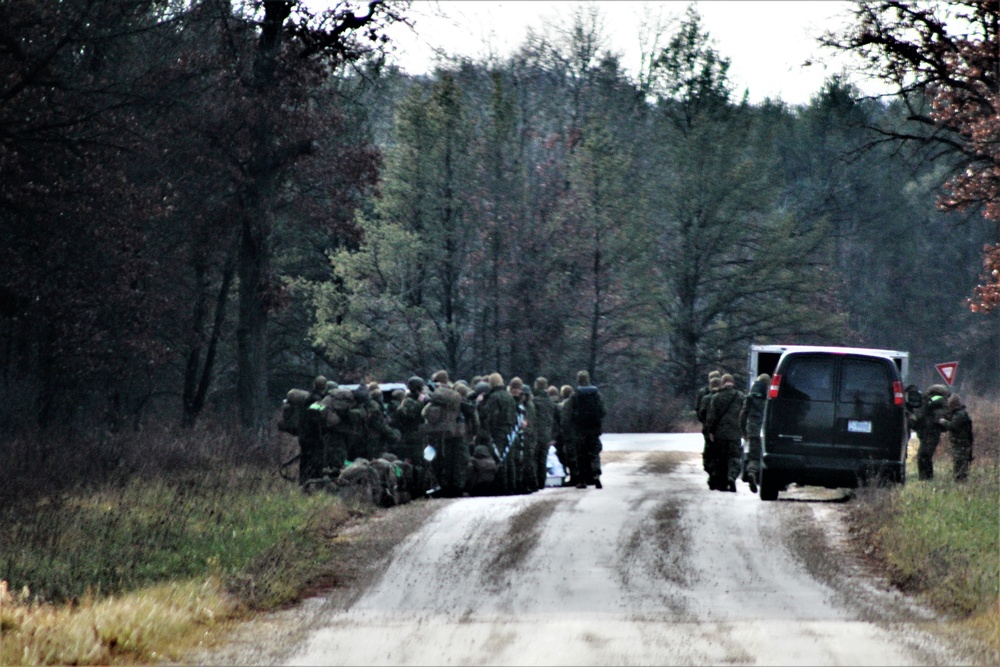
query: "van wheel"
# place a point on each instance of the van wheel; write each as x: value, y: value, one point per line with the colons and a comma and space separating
x: 768, y: 488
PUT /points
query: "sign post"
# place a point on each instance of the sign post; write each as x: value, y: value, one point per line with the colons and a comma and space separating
x: 947, y: 371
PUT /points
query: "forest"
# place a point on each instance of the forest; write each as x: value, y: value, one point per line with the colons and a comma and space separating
x: 206, y: 203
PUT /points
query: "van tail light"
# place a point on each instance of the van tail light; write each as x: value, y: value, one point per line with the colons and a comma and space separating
x: 775, y: 383
x: 897, y: 393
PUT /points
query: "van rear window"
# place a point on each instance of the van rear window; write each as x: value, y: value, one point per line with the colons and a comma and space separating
x: 808, y: 379
x: 864, y: 381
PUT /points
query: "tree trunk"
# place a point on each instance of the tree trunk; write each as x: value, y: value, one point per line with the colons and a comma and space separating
x: 251, y: 333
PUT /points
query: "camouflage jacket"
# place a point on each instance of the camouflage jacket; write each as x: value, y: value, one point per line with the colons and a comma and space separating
x: 698, y: 409
x: 959, y: 427
x: 752, y: 412
x: 407, y: 420
x: 498, y: 416
x: 723, y: 420
x: 544, y: 419
x: 935, y: 408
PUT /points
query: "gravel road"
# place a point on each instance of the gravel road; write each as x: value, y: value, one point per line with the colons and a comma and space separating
x: 653, y: 569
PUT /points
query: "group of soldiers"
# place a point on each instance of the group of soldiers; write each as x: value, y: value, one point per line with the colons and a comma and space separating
x: 444, y: 438
x: 727, y: 415
x: 929, y: 415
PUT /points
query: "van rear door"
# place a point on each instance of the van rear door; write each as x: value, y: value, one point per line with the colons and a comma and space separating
x: 806, y: 395
x: 866, y: 419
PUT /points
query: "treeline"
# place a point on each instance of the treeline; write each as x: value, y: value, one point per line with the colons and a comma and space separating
x: 205, y: 204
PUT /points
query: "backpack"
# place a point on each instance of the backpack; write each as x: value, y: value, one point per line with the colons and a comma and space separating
x: 587, y: 411
x: 443, y: 415
x: 292, y: 409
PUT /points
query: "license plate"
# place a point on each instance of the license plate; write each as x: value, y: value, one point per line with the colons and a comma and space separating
x: 859, y: 426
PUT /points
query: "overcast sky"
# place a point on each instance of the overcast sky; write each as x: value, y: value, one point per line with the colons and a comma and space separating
x: 768, y: 41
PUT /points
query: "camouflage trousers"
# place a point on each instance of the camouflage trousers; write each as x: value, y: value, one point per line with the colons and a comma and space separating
x: 451, y: 464
x: 961, y: 457
x: 723, y: 462
x: 929, y: 440
x: 567, y: 455
x: 588, y: 456
x: 310, y: 459
x: 753, y: 459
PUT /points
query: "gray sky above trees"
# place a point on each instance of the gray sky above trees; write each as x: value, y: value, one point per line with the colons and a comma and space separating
x: 769, y: 42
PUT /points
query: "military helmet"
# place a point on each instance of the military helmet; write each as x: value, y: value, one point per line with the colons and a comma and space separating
x: 954, y: 402
x: 331, y: 386
x: 415, y: 384
x: 938, y: 390
x: 319, y: 384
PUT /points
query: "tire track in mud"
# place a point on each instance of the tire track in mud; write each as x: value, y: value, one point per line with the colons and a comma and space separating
x: 660, y: 539
x: 512, y: 548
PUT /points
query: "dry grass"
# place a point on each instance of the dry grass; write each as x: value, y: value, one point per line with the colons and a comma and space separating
x: 157, y: 623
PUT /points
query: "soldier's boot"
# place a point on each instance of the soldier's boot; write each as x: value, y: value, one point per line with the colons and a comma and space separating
x: 752, y: 477
x: 597, y: 483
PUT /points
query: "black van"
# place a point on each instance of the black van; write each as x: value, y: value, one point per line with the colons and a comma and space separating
x: 834, y: 417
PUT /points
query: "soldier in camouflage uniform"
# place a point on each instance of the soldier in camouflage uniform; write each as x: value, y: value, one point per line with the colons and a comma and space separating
x: 451, y: 463
x: 723, y: 424
x: 959, y: 427
x: 701, y: 408
x: 929, y: 428
x: 751, y: 419
x: 585, y: 411
x: 566, y: 437
x: 407, y: 420
x: 527, y: 474
x: 379, y: 435
x: 312, y: 434
x: 498, y: 419
x: 346, y: 440
x: 544, y: 422
x: 708, y: 450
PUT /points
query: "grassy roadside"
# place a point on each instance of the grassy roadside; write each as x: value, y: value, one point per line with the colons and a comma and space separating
x: 146, y: 567
x: 940, y: 540
x: 145, y: 571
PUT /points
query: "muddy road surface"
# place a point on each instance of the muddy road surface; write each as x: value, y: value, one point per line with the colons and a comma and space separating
x: 653, y: 569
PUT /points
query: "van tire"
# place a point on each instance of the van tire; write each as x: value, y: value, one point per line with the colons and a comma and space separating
x: 768, y: 487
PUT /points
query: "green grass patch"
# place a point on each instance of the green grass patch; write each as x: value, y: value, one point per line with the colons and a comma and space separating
x: 138, y: 572
x: 940, y: 539
x: 116, y: 540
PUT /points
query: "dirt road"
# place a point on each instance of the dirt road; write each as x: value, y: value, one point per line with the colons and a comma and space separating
x: 653, y: 569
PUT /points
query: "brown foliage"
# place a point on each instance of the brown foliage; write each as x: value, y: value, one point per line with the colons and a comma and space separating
x: 949, y: 55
